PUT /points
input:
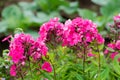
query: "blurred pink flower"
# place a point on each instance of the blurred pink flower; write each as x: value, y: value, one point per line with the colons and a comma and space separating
x: 117, y: 20
x: 47, y: 67
x: 106, y: 51
x: 118, y: 44
x: 112, y: 55
x: 13, y: 70
x: 91, y: 54
x: 111, y: 45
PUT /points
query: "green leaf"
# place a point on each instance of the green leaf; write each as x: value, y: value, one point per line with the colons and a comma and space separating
x: 115, y: 64
x: 72, y: 8
x: 46, y: 75
x: 18, y: 30
x: 100, y: 47
x: 43, y: 17
x: 104, y: 75
x: 50, y: 5
x: 100, y: 2
x: 87, y: 14
x: 28, y: 6
x: 78, y: 76
x: 3, y: 26
x: 12, y: 11
x: 44, y: 4
x: 111, y: 8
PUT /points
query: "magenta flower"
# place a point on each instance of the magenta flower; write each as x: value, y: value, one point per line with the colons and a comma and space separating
x: 38, y: 49
x: 100, y: 39
x: 106, y: 51
x: 91, y: 54
x: 13, y: 70
x: 112, y: 55
x: 47, y: 67
x: 111, y: 45
x: 117, y: 20
x: 117, y: 44
x: 19, y: 46
x: 23, y: 46
x: 118, y: 59
x: 52, y: 27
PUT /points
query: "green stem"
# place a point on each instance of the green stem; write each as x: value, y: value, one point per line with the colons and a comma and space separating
x: 84, y: 56
x: 53, y: 70
x: 21, y: 75
x: 99, y: 64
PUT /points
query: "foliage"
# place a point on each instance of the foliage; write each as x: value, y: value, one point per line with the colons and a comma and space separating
x: 31, y: 15
x: 5, y: 65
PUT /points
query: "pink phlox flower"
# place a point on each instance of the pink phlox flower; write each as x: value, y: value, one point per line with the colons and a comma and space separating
x: 38, y: 49
x: 52, y: 25
x: 19, y: 45
x: 79, y: 29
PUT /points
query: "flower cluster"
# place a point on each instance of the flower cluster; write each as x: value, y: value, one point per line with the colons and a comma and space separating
x: 114, y: 47
x: 23, y: 47
x: 80, y: 30
x: 51, y: 30
x: 19, y: 47
x: 72, y: 32
x: 117, y: 20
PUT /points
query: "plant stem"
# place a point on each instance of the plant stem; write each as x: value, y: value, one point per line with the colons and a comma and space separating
x: 21, y: 76
x: 53, y: 70
x: 20, y: 72
x: 30, y: 67
x: 84, y: 56
x: 99, y: 65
